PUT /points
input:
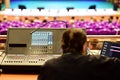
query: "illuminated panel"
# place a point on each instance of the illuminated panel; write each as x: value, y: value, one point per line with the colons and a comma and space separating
x: 42, y: 42
x: 42, y: 38
x: 111, y: 49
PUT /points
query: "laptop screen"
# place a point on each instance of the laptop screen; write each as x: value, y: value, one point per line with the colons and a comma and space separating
x: 110, y: 49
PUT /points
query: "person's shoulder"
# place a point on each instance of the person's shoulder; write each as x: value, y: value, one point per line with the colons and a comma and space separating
x: 51, y: 61
x: 97, y: 59
x: 63, y: 59
x: 70, y: 59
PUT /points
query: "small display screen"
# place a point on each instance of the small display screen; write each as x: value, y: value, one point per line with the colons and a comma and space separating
x: 111, y: 49
x: 42, y: 38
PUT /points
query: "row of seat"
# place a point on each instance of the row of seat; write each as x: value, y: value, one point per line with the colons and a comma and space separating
x: 60, y: 12
x: 92, y: 28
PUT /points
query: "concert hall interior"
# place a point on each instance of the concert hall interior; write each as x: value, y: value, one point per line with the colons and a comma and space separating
x: 21, y: 21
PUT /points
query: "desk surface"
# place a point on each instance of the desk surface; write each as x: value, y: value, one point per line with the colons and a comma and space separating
x: 18, y: 76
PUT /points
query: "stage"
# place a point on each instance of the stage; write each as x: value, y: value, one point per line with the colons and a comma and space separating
x: 60, y: 4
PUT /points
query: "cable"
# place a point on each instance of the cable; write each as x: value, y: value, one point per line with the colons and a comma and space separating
x: 48, y: 23
x: 2, y: 52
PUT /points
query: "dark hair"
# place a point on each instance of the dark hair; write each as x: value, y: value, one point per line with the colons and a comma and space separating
x: 94, y: 43
x: 73, y: 40
x: 72, y: 17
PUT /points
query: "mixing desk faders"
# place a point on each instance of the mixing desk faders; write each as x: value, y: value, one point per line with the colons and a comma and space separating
x: 20, y: 63
x: 21, y: 59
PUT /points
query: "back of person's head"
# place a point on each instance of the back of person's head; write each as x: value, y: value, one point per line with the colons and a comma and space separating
x: 93, y: 43
x: 73, y: 40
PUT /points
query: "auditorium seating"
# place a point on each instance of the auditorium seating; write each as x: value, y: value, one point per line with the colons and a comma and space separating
x: 92, y: 28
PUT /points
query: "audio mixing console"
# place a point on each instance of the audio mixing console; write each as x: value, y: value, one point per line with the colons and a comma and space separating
x: 26, y: 52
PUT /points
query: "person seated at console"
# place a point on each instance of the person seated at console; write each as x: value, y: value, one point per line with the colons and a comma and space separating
x: 93, y: 44
x: 75, y: 64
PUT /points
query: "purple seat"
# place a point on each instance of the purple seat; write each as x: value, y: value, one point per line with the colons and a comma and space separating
x: 117, y: 31
x: 98, y: 27
x: 104, y: 31
x: 91, y: 32
x: 3, y: 32
x: 2, y: 40
x: 111, y: 26
x: 114, y: 32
